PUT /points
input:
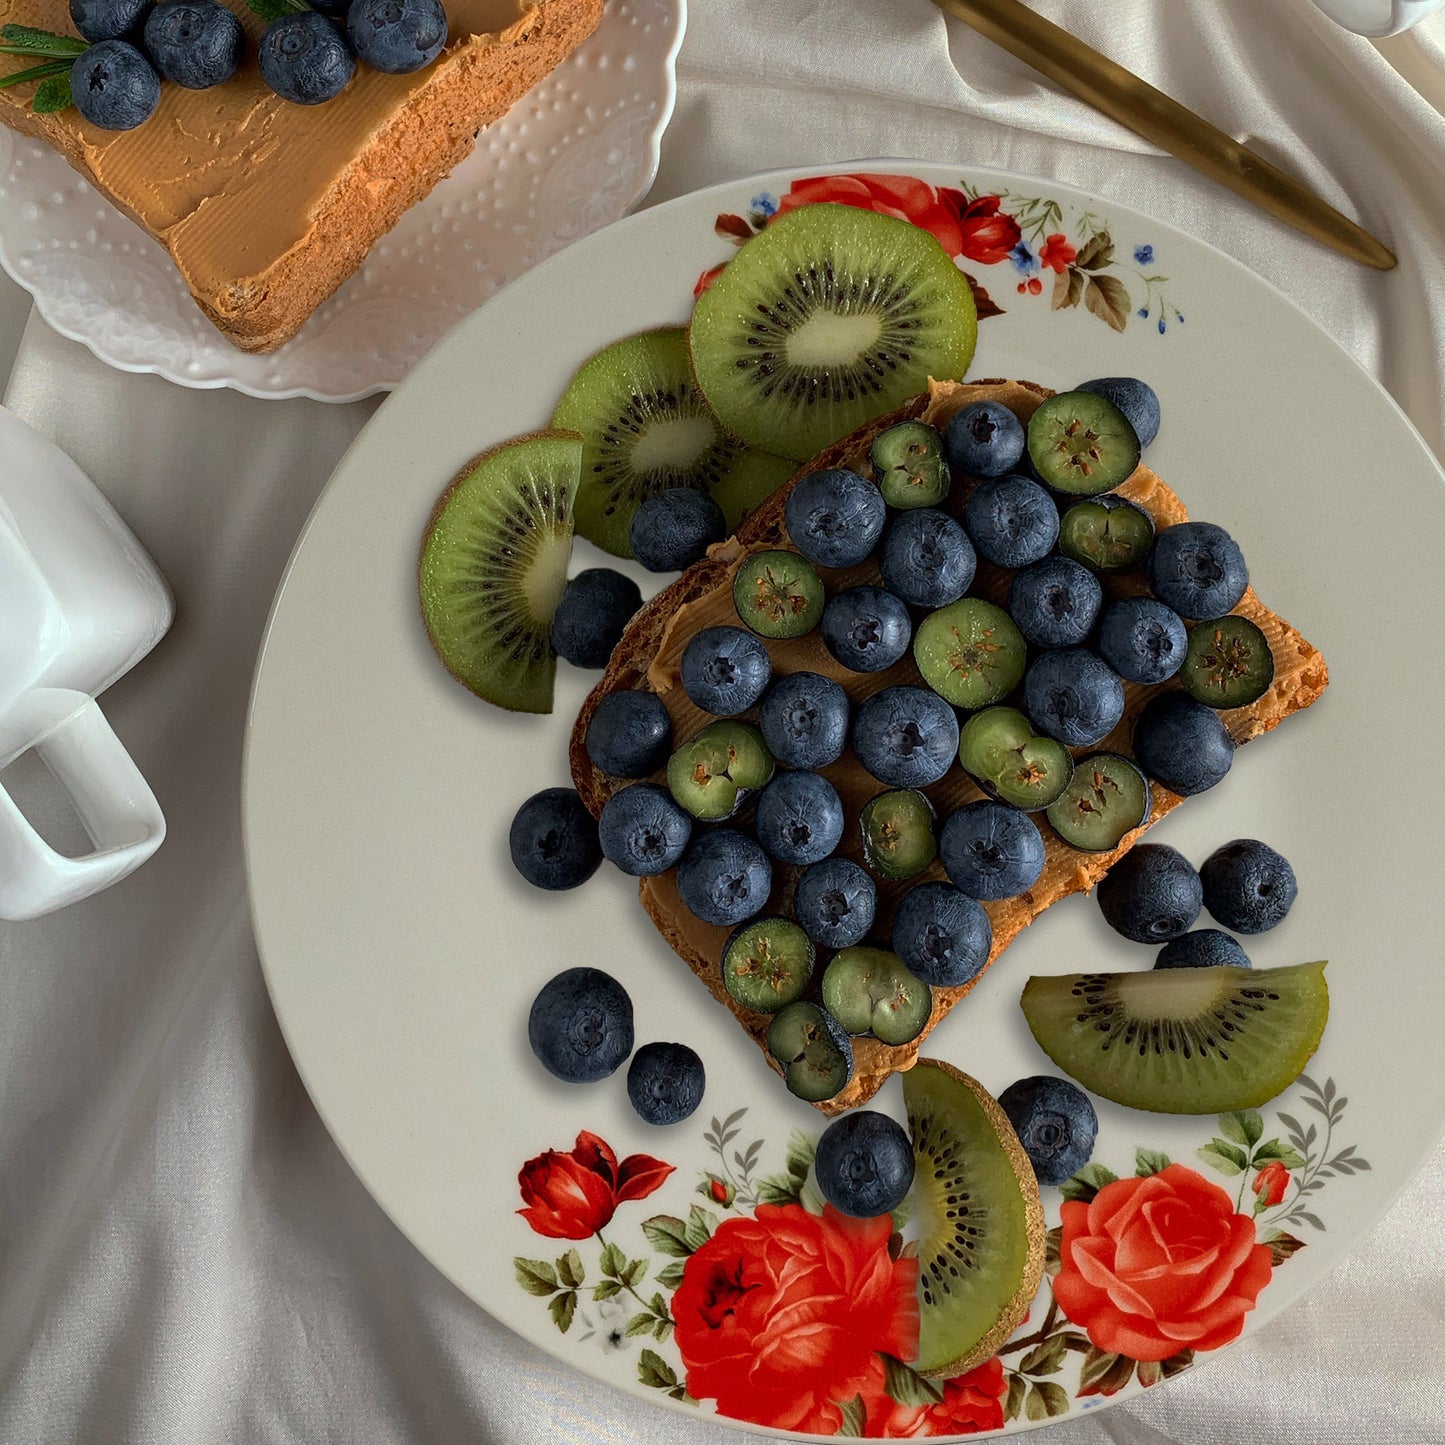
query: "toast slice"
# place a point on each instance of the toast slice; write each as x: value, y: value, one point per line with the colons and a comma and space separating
x: 267, y: 207
x: 650, y: 651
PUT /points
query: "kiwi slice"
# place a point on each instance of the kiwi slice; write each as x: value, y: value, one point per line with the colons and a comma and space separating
x: 971, y: 652
x: 1107, y: 797
x: 829, y: 317
x: 908, y: 465
x: 1228, y: 663
x: 897, y: 829
x: 712, y: 774
x: 1182, y: 1040
x: 646, y: 429
x: 494, y: 565
x: 869, y: 990
x: 778, y: 594
x: 999, y: 748
x: 767, y: 963
x: 1109, y: 534
x: 1081, y: 444
x: 980, y: 1221
x: 813, y: 1049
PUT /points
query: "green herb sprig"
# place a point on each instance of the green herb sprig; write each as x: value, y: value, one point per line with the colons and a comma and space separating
x: 56, y: 53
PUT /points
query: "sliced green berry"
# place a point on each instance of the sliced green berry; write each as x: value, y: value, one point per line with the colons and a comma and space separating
x: 778, y: 594
x: 1107, y: 797
x: 767, y: 964
x: 710, y: 775
x: 1228, y: 663
x: 813, y: 1049
x: 1082, y: 444
x: 908, y: 466
x: 898, y: 837
x: 868, y: 990
x: 1108, y: 534
x: 999, y: 748
x: 970, y: 652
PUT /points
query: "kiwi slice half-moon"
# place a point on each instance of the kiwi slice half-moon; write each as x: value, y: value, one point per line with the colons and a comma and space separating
x: 829, y: 317
x: 647, y: 429
x: 494, y: 565
x: 980, y: 1220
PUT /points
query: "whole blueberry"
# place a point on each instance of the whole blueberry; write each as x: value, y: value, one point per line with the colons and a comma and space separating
x: 835, y: 903
x: 906, y: 736
x: 942, y: 935
x: 195, y: 43
x: 866, y: 628
x: 1142, y: 640
x: 630, y: 734
x: 864, y: 1164
x: 673, y: 529
x: 580, y: 1026
x: 834, y: 517
x: 804, y: 720
x: 1152, y: 894
x: 724, y: 877
x: 1055, y: 1123
x: 97, y: 20
x: 1182, y: 744
x: 305, y: 58
x: 554, y: 840
x: 594, y: 610
x: 1013, y: 521
x: 643, y: 830
x: 1073, y: 696
x: 990, y: 850
x: 1055, y: 602
x: 1135, y: 398
x: 799, y: 818
x: 1202, y: 948
x: 665, y: 1082
x: 397, y: 36
x: 1248, y: 886
x: 985, y: 439
x: 725, y: 670
x: 114, y: 86
x: 1197, y: 569
x: 926, y: 558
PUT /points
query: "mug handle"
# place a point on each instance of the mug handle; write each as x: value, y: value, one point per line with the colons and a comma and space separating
x: 111, y: 798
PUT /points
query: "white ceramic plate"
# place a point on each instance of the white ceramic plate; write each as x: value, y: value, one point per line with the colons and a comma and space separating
x: 575, y: 153
x: 403, y: 952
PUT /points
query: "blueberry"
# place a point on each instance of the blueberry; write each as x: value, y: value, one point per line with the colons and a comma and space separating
x: 1152, y: 894
x: 643, y: 830
x: 1055, y: 602
x: 835, y: 902
x: 799, y: 818
x: 1197, y: 569
x: 866, y: 628
x: 195, y: 43
x: 1142, y: 640
x: 1182, y: 744
x: 673, y: 529
x: 1202, y: 948
x: 864, y: 1164
x: 665, y: 1082
x: 97, y: 20
x: 305, y: 58
x: 1135, y: 398
x: 1055, y: 1123
x: 724, y: 877
x: 804, y: 720
x: 725, y: 670
x: 1072, y: 696
x: 595, y: 608
x: 985, y: 439
x: 906, y: 736
x: 990, y: 850
x: 1248, y: 886
x: 397, y: 36
x: 942, y: 935
x: 926, y: 559
x: 834, y: 517
x: 114, y: 86
x: 1012, y: 521
x: 554, y: 840
x: 580, y: 1026
x: 630, y: 734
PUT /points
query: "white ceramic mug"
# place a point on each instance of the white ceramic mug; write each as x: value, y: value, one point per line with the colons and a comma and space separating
x: 1377, y: 18
x: 80, y: 604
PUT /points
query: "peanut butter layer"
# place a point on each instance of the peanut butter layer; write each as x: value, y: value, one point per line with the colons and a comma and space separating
x: 650, y: 653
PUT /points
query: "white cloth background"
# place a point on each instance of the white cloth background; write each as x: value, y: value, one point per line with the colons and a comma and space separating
x: 184, y: 1256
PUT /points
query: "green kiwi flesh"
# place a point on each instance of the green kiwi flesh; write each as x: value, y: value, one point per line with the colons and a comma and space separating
x: 829, y: 317
x: 980, y: 1220
x: 1185, y: 1040
x: 494, y: 565
x: 646, y: 429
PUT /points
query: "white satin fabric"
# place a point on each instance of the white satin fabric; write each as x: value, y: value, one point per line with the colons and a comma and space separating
x: 184, y: 1255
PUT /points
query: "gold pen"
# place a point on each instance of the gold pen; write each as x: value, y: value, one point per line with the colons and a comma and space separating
x: 1150, y: 113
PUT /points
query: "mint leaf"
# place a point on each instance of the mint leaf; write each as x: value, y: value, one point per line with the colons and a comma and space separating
x: 28, y: 40
x: 273, y: 10
x: 49, y: 71
x: 52, y: 95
